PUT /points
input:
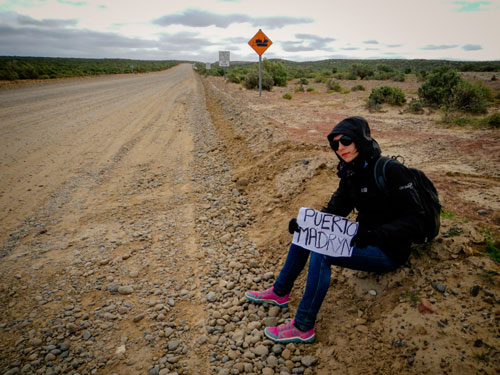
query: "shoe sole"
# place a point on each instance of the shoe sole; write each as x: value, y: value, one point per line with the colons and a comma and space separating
x: 262, y: 301
x: 287, y: 340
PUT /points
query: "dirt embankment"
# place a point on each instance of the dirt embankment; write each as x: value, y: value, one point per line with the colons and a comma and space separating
x: 372, y: 324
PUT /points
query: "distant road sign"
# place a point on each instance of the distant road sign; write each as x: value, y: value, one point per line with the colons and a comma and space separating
x: 208, y: 66
x: 223, y: 58
x: 260, y: 42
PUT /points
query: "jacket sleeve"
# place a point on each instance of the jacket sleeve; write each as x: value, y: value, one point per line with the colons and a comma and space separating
x: 340, y: 203
x: 408, y: 218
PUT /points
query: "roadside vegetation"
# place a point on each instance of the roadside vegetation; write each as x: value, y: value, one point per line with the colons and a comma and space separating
x: 14, y: 68
x: 462, y: 102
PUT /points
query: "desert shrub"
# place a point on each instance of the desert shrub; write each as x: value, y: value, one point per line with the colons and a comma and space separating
x: 470, y: 98
x: 287, y: 96
x: 438, y: 86
x: 303, y: 81
x: 252, y: 80
x: 333, y: 86
x: 300, y: 88
x: 384, y: 68
x: 415, y: 106
x: 361, y: 71
x: 493, y: 120
x: 358, y: 88
x: 233, y: 77
x: 398, y: 77
x: 320, y: 80
x: 277, y: 71
x: 386, y: 94
x: 309, y: 89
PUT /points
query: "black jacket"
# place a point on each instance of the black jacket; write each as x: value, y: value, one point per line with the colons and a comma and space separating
x: 397, y: 217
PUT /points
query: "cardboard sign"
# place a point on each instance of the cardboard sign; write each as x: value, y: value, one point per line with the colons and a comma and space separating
x: 324, y: 233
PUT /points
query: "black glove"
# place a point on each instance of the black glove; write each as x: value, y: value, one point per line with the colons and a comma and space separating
x: 293, y: 226
x: 365, y: 237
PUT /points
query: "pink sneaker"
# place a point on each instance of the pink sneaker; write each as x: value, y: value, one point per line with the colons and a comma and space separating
x: 289, y: 333
x: 267, y: 296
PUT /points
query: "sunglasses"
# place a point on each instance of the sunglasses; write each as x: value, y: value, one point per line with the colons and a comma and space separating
x: 345, y: 140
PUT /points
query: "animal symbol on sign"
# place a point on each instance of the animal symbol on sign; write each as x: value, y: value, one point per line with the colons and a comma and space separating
x: 261, y: 43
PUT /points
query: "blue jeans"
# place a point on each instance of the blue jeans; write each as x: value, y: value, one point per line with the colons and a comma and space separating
x: 370, y: 259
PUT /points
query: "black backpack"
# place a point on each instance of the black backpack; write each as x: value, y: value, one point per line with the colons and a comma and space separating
x: 427, y: 193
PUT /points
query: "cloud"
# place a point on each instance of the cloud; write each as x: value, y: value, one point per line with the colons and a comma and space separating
x: 394, y: 45
x: 350, y: 48
x: 74, y: 3
x: 472, y: 47
x: 67, y: 43
x: 11, y: 18
x: 471, y: 6
x: 307, y: 42
x: 24, y: 36
x: 432, y: 47
x: 370, y: 42
x: 201, y: 18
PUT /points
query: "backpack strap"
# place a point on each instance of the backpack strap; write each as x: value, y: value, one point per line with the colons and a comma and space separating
x: 379, y: 173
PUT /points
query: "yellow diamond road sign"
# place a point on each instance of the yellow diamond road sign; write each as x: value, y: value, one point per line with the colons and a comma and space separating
x: 260, y: 42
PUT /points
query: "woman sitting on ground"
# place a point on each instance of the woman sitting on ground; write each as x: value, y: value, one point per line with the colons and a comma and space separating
x: 388, y: 224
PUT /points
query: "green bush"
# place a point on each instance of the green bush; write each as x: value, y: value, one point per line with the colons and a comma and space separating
x: 470, y: 98
x: 233, y: 77
x: 287, y: 96
x: 303, y: 81
x: 277, y: 71
x: 415, y: 106
x: 252, y: 80
x: 300, y: 89
x: 493, y: 120
x: 361, y: 71
x: 358, y: 88
x: 386, y: 94
x: 438, y: 86
x: 309, y: 89
x: 333, y: 86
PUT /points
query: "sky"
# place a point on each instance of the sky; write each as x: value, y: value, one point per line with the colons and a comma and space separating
x: 196, y: 30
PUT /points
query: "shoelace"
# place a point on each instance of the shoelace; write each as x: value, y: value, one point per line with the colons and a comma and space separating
x: 285, y: 327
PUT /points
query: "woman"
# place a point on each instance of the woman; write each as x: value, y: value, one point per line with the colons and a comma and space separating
x: 388, y: 224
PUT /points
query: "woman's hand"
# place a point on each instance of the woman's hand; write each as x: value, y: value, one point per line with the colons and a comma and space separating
x: 364, y: 238
x: 293, y: 226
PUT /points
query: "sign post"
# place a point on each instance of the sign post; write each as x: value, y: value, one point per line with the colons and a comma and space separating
x: 224, y: 60
x: 260, y: 42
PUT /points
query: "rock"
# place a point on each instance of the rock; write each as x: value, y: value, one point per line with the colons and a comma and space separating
x: 308, y: 360
x: 211, y: 297
x: 242, y: 181
x: 475, y: 290
x: 120, y: 350
x: 260, y: 350
x: 441, y: 288
x: 172, y: 345
x: 425, y: 307
x: 125, y: 289
x: 138, y: 318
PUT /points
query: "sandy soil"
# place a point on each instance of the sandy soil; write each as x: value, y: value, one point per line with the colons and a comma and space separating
x: 99, y: 179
